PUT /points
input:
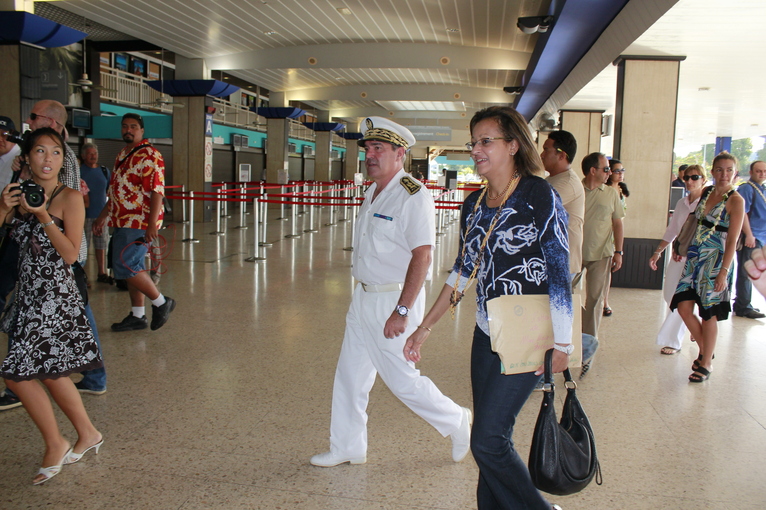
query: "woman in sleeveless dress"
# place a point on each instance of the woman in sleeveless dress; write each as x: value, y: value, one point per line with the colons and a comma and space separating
x: 51, y: 336
x: 707, y: 278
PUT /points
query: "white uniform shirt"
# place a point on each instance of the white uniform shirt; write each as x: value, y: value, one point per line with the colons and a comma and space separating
x: 388, y: 229
x: 6, y: 166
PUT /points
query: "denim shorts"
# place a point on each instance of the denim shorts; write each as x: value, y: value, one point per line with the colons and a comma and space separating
x: 127, y: 255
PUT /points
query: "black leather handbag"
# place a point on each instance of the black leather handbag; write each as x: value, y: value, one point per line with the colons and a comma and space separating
x: 563, y: 457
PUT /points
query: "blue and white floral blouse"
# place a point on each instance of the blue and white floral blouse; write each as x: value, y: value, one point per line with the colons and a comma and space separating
x: 527, y: 253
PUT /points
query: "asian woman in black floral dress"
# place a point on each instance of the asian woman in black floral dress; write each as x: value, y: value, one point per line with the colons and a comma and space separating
x: 51, y: 337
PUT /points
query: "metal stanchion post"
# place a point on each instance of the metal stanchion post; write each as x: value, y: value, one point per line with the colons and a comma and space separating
x: 303, y: 190
x: 282, y: 216
x: 353, y: 230
x: 440, y: 224
x: 332, y: 208
x: 224, y: 189
x: 258, y: 252
x: 183, y: 204
x: 312, y: 207
x: 242, y: 222
x: 218, y: 231
x: 191, y: 239
x: 264, y: 214
x: 293, y: 218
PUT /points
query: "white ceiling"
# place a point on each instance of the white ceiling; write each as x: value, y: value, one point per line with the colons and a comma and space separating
x: 723, y: 43
x: 387, y: 52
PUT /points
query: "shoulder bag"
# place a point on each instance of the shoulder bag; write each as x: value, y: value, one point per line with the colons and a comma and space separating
x: 562, y: 459
x: 685, y: 237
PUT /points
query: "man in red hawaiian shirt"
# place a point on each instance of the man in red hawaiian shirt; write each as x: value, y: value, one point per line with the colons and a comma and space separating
x: 134, y: 209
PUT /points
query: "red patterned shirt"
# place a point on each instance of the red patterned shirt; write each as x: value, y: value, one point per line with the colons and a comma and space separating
x: 132, y: 184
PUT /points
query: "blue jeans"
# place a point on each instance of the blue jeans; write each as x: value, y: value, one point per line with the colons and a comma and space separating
x: 504, y: 481
x: 743, y: 286
x: 94, y: 379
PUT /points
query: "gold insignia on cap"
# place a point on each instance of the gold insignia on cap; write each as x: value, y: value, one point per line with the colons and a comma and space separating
x: 368, y: 123
x: 410, y: 185
x: 384, y: 135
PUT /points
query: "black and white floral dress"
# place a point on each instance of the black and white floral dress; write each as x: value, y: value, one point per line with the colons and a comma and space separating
x: 51, y: 335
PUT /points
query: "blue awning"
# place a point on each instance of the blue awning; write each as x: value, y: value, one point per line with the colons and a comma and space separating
x: 288, y: 112
x: 324, y: 126
x: 20, y: 26
x: 174, y: 88
x: 351, y: 136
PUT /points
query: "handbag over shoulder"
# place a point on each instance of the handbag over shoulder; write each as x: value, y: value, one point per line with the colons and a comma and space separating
x: 562, y: 459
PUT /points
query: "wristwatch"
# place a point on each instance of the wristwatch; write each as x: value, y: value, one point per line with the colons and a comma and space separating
x: 566, y: 349
x: 402, y: 310
x: 618, y: 251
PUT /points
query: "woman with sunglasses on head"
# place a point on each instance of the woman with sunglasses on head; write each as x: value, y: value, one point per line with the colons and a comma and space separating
x: 672, y: 331
x: 51, y: 336
x: 707, y: 279
x: 616, y: 180
x: 513, y: 241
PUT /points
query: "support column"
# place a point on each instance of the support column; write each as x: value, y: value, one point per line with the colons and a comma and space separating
x: 585, y: 126
x: 351, y: 163
x: 644, y: 136
x: 722, y: 143
x: 189, y: 158
x: 10, y: 83
x: 322, y: 158
x: 277, y: 133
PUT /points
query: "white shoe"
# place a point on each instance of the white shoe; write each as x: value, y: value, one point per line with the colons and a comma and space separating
x: 329, y: 459
x: 461, y: 438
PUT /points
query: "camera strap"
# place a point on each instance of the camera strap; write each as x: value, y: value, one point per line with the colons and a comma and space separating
x: 123, y: 160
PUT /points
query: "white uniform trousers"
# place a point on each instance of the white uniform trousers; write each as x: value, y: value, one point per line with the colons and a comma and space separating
x: 672, y: 331
x: 366, y: 352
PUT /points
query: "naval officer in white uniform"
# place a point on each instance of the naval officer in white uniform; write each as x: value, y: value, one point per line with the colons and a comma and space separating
x: 394, y: 238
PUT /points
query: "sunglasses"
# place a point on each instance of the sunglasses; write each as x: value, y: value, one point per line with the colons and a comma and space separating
x: 692, y: 177
x: 618, y: 170
x: 34, y: 116
x: 605, y: 169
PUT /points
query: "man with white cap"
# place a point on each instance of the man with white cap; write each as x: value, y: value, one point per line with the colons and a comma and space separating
x: 394, y: 238
x: 8, y: 151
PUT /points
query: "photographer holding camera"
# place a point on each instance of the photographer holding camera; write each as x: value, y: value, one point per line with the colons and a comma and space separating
x: 52, y: 114
x: 8, y: 151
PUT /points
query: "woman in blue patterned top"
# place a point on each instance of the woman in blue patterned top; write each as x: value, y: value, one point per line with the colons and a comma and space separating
x: 513, y: 241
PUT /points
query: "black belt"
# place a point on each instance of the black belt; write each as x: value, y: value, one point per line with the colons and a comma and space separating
x: 718, y: 228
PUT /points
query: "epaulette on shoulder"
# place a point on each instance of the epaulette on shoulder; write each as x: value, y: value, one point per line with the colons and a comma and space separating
x: 410, y: 184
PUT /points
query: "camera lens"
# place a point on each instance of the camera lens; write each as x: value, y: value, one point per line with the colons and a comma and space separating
x: 35, y: 198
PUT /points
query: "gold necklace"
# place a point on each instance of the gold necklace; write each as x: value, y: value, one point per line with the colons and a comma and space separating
x: 489, y: 195
x: 456, y: 295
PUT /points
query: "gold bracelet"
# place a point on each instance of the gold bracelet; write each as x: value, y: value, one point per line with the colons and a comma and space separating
x: 424, y: 327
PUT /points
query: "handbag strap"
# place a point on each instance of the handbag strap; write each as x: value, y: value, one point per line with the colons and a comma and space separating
x: 548, y: 385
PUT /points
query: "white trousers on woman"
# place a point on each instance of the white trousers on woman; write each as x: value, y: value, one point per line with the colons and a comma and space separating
x: 672, y: 331
x: 366, y: 352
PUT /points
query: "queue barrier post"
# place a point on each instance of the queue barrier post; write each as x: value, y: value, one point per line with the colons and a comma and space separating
x: 224, y: 189
x: 332, y: 208
x: 353, y: 230
x: 303, y: 189
x: 258, y: 252
x: 282, y: 216
x: 218, y: 231
x: 311, y: 199
x: 183, y: 205
x: 264, y: 214
x: 242, y: 222
x: 191, y: 238
x: 294, y: 227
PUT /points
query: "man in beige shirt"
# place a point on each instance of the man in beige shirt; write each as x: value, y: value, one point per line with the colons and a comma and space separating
x: 602, y: 237
x: 558, y: 151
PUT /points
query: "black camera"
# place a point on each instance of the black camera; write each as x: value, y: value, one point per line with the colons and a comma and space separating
x: 15, y: 137
x: 33, y: 192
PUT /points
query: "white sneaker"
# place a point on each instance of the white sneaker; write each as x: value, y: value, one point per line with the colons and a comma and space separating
x: 461, y: 438
x: 329, y: 459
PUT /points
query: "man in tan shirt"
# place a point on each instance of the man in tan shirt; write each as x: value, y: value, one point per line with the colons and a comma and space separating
x: 602, y: 237
x: 558, y: 151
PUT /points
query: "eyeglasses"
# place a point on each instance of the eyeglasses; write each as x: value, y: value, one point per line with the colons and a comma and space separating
x: 562, y: 151
x: 605, y: 169
x: 483, y: 142
x: 617, y: 170
x: 692, y: 177
x: 34, y: 116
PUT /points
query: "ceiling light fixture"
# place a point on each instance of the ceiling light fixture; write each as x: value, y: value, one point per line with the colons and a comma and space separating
x: 532, y: 24
x: 513, y: 90
x: 270, y: 32
x: 345, y: 11
x: 453, y: 30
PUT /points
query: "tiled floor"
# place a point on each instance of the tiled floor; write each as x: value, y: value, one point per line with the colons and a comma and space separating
x: 223, y: 407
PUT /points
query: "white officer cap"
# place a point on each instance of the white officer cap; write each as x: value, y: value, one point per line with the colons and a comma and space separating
x: 384, y: 130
